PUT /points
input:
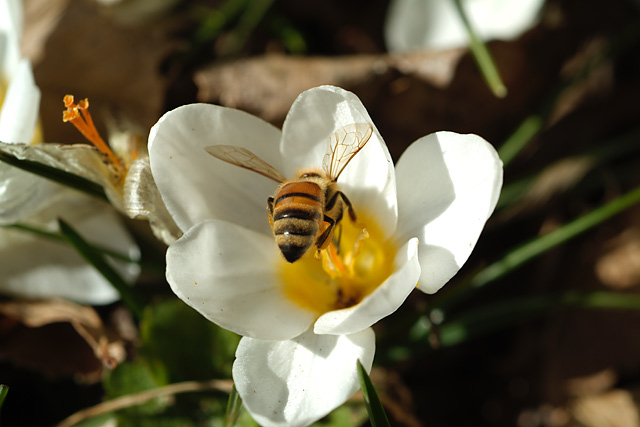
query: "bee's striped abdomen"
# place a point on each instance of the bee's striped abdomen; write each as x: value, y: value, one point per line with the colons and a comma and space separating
x: 297, y: 215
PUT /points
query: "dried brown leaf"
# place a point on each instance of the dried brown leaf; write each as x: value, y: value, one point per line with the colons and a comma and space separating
x: 59, y: 338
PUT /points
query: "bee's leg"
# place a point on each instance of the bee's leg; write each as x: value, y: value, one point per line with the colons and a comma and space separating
x: 352, y: 213
x: 339, y: 238
x: 270, y: 211
x: 323, y: 239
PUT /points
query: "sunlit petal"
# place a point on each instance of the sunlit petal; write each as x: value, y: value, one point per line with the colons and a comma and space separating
x: 11, y: 16
x: 296, y: 382
x: 19, y: 112
x: 368, y: 181
x: 196, y: 186
x: 227, y: 273
x: 448, y: 185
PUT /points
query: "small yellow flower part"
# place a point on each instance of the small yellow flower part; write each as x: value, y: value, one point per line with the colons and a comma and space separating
x: 340, y: 276
x: 78, y: 115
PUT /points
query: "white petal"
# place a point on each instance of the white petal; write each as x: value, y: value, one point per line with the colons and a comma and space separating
x: 194, y: 185
x: 448, y: 185
x: 36, y: 267
x: 19, y: 112
x: 10, y: 31
x: 23, y: 194
x: 228, y: 274
x: 368, y: 181
x: 386, y: 299
x: 297, y: 382
x: 435, y: 24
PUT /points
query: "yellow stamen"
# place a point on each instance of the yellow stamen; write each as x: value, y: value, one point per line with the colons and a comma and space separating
x: 78, y: 115
x: 341, y: 277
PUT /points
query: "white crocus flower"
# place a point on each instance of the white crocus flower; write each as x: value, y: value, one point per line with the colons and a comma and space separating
x: 435, y: 24
x: 305, y: 324
x: 33, y: 266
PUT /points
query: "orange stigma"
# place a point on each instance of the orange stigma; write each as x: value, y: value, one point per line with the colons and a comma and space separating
x: 78, y: 115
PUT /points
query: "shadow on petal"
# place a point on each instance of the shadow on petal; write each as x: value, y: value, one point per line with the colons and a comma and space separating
x: 438, y: 267
x: 425, y: 188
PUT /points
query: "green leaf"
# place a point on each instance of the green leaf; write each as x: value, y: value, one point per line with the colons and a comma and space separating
x: 57, y: 175
x: 377, y: 416
x: 348, y: 415
x: 482, y: 56
x: 95, y: 258
x: 170, y: 326
x: 4, y: 389
x: 133, y: 377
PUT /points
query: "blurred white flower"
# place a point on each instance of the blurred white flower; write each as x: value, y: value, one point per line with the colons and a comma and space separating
x: 435, y: 24
x: 305, y: 324
x: 30, y: 265
x: 121, y: 168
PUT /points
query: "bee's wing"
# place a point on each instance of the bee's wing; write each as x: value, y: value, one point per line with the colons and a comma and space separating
x: 345, y: 143
x: 245, y: 159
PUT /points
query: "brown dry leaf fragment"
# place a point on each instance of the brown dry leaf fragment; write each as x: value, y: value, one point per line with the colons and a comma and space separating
x: 59, y: 338
x: 615, y: 408
x: 619, y: 267
x: 593, y: 384
x: 267, y: 85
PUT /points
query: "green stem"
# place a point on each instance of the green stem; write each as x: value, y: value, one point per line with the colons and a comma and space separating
x: 482, y: 56
x: 93, y: 257
x: 234, y: 407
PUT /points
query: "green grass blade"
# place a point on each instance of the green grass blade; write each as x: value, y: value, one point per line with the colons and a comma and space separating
x: 533, y: 248
x: 61, y: 177
x: 60, y: 238
x: 234, y: 407
x: 4, y: 389
x: 377, y: 416
x: 519, y: 139
x: 482, y: 56
x: 93, y: 257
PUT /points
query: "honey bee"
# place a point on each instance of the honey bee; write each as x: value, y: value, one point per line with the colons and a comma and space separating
x: 305, y: 210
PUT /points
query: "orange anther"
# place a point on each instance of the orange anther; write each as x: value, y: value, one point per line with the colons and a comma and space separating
x: 78, y: 115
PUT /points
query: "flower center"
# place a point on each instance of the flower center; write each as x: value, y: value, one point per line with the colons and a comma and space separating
x: 350, y: 268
